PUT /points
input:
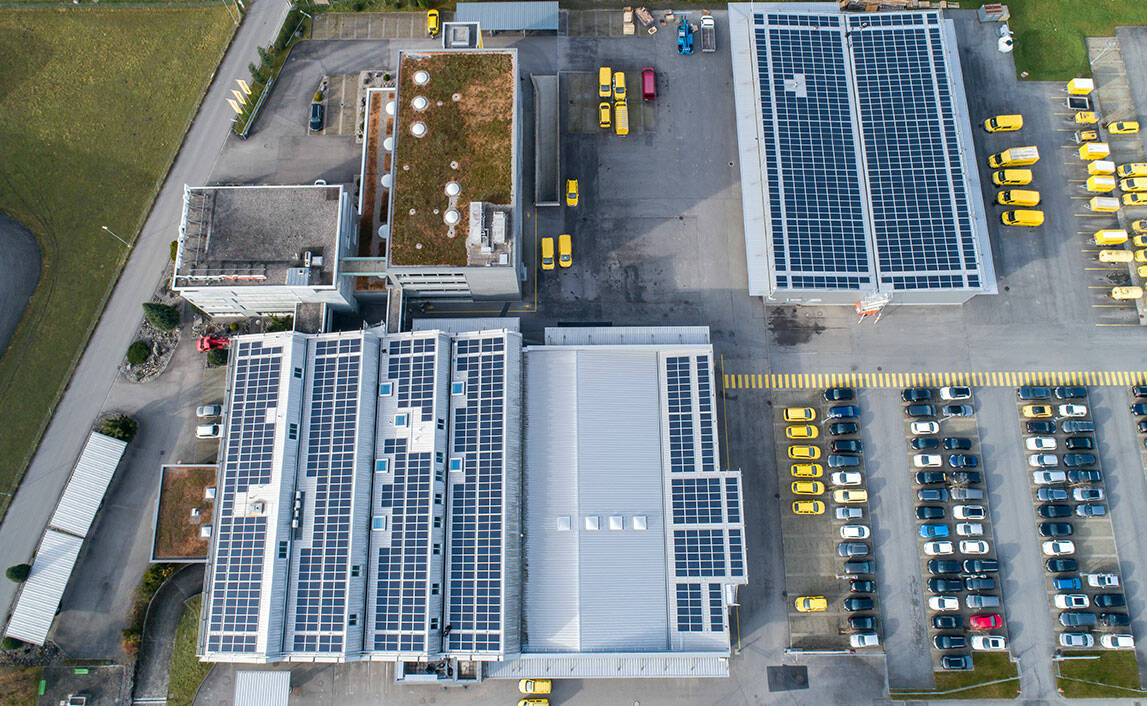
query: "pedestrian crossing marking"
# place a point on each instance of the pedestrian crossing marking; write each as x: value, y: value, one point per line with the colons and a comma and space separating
x: 993, y: 378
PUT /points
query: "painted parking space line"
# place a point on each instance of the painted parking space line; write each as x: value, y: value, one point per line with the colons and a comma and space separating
x: 1012, y: 378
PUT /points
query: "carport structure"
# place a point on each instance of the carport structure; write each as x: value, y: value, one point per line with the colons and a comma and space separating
x: 510, y: 16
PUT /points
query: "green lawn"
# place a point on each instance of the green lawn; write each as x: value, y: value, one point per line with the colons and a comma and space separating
x: 1115, y: 668
x: 187, y: 672
x: 990, y: 667
x: 1049, y: 34
x: 95, y: 105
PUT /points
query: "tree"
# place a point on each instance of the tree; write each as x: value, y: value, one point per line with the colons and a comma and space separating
x: 217, y: 357
x: 174, y: 247
x: 256, y: 73
x: 11, y: 643
x: 18, y: 573
x: 264, y: 56
x: 161, y: 316
x: 120, y: 427
x: 138, y: 352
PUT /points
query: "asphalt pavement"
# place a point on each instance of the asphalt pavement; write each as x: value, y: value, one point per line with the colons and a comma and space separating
x: 19, y: 272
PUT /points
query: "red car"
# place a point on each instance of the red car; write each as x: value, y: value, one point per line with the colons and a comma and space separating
x: 986, y: 621
x: 206, y: 343
x: 648, y: 84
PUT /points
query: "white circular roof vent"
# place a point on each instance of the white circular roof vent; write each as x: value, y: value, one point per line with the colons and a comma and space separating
x: 456, y: 97
x: 453, y: 165
x: 421, y: 78
x: 419, y: 103
x: 387, y: 180
x: 390, y: 107
x: 418, y: 129
x: 452, y: 217
x: 453, y: 188
x: 388, y: 143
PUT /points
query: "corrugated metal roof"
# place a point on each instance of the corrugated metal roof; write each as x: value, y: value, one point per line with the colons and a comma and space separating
x: 509, y: 16
x: 622, y: 666
x: 267, y: 688
x: 626, y: 335
x: 88, y: 483
x: 456, y: 326
x: 40, y: 595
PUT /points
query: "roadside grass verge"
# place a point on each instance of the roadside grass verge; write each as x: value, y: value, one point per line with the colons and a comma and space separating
x: 1112, y: 669
x: 187, y: 672
x: 96, y: 103
x: 18, y: 685
x: 989, y: 667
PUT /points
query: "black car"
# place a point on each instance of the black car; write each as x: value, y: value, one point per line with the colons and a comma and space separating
x: 316, y: 117
x: 853, y: 568
x: 1060, y: 566
x: 842, y: 428
x: 1029, y: 392
x: 932, y: 495
x: 846, y: 446
x: 1077, y: 460
x: 851, y: 549
x: 916, y: 394
x: 845, y: 461
x: 950, y: 642
x: 838, y: 394
x: 981, y: 566
x: 963, y: 461
x: 1039, y: 427
x: 1109, y: 600
x: 1142, y: 427
x: 1075, y: 426
x: 1051, y: 495
x: 937, y: 567
x: 967, y: 477
x: 1085, y: 475
x: 844, y: 411
x: 1079, y: 442
x: 956, y: 663
x: 862, y: 623
x: 925, y: 443
x: 959, y: 410
x: 946, y: 621
x: 1139, y: 391
x: 1139, y: 409
x: 955, y: 443
x: 1070, y: 393
x: 853, y: 605
x: 1074, y: 618
x: 1056, y: 529
x: 1114, y: 619
x: 931, y: 477
x: 920, y: 410
x: 980, y: 583
x: 929, y: 512
x: 1053, y: 511
x: 944, y: 585
x: 861, y: 586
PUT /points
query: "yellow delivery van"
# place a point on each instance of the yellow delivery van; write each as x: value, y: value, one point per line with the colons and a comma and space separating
x: 1132, y: 169
x: 1015, y: 157
x: 1110, y: 237
x: 1004, y: 123
x: 1094, y: 150
x: 1080, y: 86
x: 1013, y: 177
x: 1022, y: 217
x: 1100, y: 166
x: 1116, y: 256
x: 1101, y: 183
x: 1017, y: 197
x: 1103, y: 204
x: 1122, y: 293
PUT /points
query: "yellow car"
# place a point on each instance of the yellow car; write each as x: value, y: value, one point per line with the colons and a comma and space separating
x: 432, y: 25
x: 1140, y: 241
x: 799, y: 414
x: 1133, y: 184
x: 571, y: 192
x: 533, y: 702
x: 535, y: 686
x: 1136, y: 198
x: 604, y: 82
x: 811, y: 604
x: 1123, y: 127
x: 807, y: 487
x: 808, y: 507
x: 1139, y: 226
x: 1036, y: 411
x: 618, y: 86
x: 547, y: 253
x: 807, y: 470
x: 850, y: 495
x: 804, y: 453
x: 801, y: 431
x: 1141, y: 256
x: 565, y: 250
x: 1143, y: 271
x: 603, y: 115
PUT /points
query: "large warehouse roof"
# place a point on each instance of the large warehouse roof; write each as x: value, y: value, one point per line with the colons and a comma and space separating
x: 510, y: 16
x: 857, y: 167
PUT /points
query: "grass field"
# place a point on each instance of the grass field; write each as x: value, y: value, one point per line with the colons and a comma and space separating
x: 187, y: 672
x: 18, y: 685
x: 95, y: 104
x: 990, y: 667
x: 1115, y: 669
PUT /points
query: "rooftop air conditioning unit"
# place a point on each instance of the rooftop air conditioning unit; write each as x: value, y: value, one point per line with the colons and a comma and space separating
x: 258, y: 507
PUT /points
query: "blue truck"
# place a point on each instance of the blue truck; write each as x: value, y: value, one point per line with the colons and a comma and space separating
x: 684, y: 38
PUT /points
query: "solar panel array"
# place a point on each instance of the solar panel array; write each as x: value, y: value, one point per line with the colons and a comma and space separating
x: 235, y: 588
x: 412, y: 362
x: 474, y: 562
x: 321, y: 581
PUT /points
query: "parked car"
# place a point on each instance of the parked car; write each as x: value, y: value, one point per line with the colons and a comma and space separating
x: 929, y: 512
x: 1056, y: 529
x: 1102, y: 580
x: 846, y: 446
x: 1139, y: 391
x: 1090, y: 510
x: 1059, y: 566
x: 808, y: 507
x: 807, y: 487
x: 648, y: 84
x: 842, y: 461
x: 1070, y: 393
x: 867, y: 639
x: 1075, y: 619
x: 957, y: 410
x: 1039, y: 427
x: 811, y: 604
x: 925, y: 427
x: 1087, y: 495
x: 939, y: 603
x: 1043, y: 460
x: 959, y: 392
x: 967, y: 494
x: 845, y: 411
x: 969, y: 512
x: 968, y: 477
x: 1029, y: 392
x: 1112, y: 620
x: 1077, y: 410
x: 1079, y: 459
x: 953, y: 443
x: 316, y: 121
x: 927, y: 460
x: 799, y: 414
x: 1110, y: 600
x: 1053, y: 511
x: 847, y: 478
x: 850, y: 495
x: 1117, y: 642
x: 963, y: 461
x: 969, y: 529
x: 854, y: 568
x: 1071, y: 600
x: 806, y: 470
x: 939, y: 548
x: 974, y: 546
x: 937, y: 567
x: 933, y: 530
x: 1036, y: 411
x: 861, y: 586
x: 1048, y: 477
x: 986, y: 621
x: 942, y: 585
x: 852, y: 549
x: 1141, y: 426
x: 981, y: 566
x: 949, y: 642
x: 921, y: 410
x: 925, y: 443
x: 947, y: 621
x: 1078, y: 443
x: 1058, y: 547
x: 932, y: 495
x: 842, y: 428
x: 1075, y: 426
x: 1139, y: 409
x: 1066, y: 583
x: 805, y: 453
x: 857, y: 604
x: 1075, y: 639
x: 838, y: 394
x: 980, y: 583
x: 854, y: 532
x: 1084, y: 475
x: 1040, y: 443
x: 208, y: 431
x: 1051, y: 495
x: 801, y: 431
x: 976, y: 601
x: 861, y: 622
x: 916, y: 394
x: 208, y: 411
x: 956, y: 663
x: 986, y: 643
x: 931, y: 477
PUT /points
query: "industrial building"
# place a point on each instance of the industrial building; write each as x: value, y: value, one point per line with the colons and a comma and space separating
x: 858, y: 172
x: 465, y: 506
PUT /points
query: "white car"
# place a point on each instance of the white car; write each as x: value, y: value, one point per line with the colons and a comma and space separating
x: 969, y: 512
x: 927, y: 460
x: 1117, y: 642
x: 939, y: 547
x: 1058, y: 547
x: 209, y: 410
x: 974, y: 546
x: 1076, y: 639
x: 959, y: 392
x: 1102, y: 580
x: 944, y: 603
x: 864, y: 639
x: 208, y: 431
x: 1087, y: 495
x: 1072, y: 410
x: 847, y: 478
x: 1071, y: 600
x: 969, y: 529
x: 1043, y: 460
x: 925, y: 428
x: 1041, y: 443
x: 854, y: 532
x: 985, y: 643
x: 1048, y: 477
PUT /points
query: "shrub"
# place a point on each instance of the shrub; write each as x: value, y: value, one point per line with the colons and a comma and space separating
x: 264, y: 56
x: 217, y: 357
x: 138, y: 352
x: 234, y: 326
x: 18, y: 573
x: 318, y: 97
x: 161, y: 316
x: 11, y: 643
x: 279, y: 323
x: 174, y: 247
x: 256, y: 72
x: 120, y: 427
